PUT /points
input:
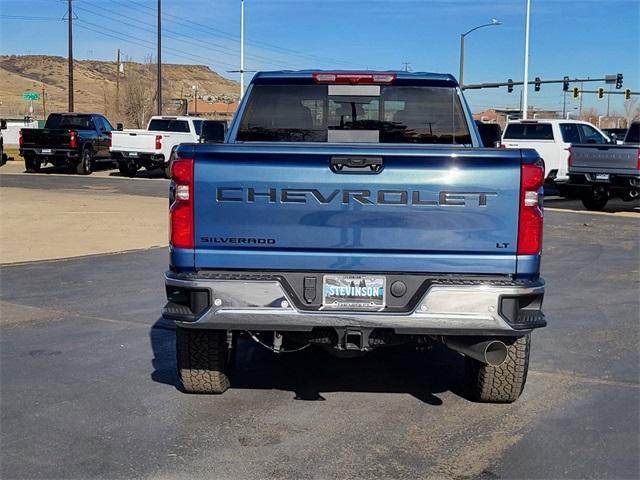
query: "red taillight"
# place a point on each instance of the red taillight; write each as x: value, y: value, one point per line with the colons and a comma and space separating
x: 353, y: 78
x: 20, y: 139
x: 109, y: 141
x: 502, y: 145
x: 570, y: 158
x: 73, y: 139
x: 181, y: 211
x: 158, y: 142
x: 531, y: 215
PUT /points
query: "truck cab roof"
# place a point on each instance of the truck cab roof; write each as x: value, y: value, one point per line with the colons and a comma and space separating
x: 308, y: 75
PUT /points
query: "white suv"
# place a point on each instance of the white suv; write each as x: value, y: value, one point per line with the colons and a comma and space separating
x: 552, y: 139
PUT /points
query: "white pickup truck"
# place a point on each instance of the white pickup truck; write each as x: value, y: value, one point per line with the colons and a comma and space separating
x: 152, y: 148
x: 552, y: 140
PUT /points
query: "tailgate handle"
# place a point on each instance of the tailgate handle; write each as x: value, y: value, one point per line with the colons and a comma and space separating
x: 356, y: 164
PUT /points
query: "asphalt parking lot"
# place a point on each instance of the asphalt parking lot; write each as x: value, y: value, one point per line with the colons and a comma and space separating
x: 89, y: 387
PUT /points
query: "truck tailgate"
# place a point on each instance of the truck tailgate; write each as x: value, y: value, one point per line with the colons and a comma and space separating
x: 604, y: 159
x: 133, y: 140
x: 45, y: 137
x: 443, y: 210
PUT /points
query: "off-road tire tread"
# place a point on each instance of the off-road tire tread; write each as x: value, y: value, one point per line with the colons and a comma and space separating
x: 505, y: 383
x: 127, y: 170
x: 594, y: 204
x: 202, y: 358
x: 32, y: 165
x: 80, y: 166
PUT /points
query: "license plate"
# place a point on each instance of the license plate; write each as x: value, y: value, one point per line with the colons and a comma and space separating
x: 45, y: 150
x: 133, y: 154
x: 353, y: 292
x: 602, y: 177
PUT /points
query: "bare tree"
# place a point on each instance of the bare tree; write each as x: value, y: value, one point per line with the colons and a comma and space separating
x: 138, y: 94
x: 590, y: 115
x: 631, y: 110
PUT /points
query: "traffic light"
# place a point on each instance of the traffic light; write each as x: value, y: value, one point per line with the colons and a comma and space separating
x: 600, y: 92
x: 627, y: 94
x: 619, y: 81
x: 537, y: 84
x: 565, y: 84
x: 576, y: 92
x: 510, y: 85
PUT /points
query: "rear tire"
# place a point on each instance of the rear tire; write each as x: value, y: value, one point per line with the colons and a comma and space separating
x: 502, y: 384
x: 128, y: 169
x: 595, y: 200
x: 202, y: 360
x: 85, y: 165
x: 32, y: 164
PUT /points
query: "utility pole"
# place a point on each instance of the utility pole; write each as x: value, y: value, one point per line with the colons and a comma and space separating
x: 241, y: 49
x: 159, y: 73
x: 118, y: 83
x: 44, y: 103
x: 195, y: 99
x: 608, y: 101
x: 70, y: 18
x: 580, y: 109
x: 525, y: 89
x: 564, y: 103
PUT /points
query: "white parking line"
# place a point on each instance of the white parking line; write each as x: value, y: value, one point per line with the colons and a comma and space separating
x: 635, y: 214
x: 66, y: 175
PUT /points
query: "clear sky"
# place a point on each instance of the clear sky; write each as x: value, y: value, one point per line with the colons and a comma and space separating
x: 578, y: 38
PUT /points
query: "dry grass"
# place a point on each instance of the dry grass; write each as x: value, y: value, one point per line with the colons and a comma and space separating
x: 95, y: 83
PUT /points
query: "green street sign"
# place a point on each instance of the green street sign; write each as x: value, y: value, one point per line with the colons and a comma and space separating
x: 31, y: 96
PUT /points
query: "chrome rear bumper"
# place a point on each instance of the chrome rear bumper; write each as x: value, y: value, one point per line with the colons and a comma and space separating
x: 445, y: 309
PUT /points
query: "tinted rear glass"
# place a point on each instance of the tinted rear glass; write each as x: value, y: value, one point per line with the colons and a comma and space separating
x: 167, y: 125
x: 75, y: 122
x: 386, y: 114
x: 633, y: 135
x: 197, y: 126
x: 570, y: 133
x: 529, y: 131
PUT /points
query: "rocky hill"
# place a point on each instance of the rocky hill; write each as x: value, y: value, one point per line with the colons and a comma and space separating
x: 95, y: 84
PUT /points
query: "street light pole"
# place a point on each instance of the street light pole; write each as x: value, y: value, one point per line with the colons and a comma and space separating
x: 241, y: 49
x: 494, y: 22
x: 525, y: 87
x: 159, y: 72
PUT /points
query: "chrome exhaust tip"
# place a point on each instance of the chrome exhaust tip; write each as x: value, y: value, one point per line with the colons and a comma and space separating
x: 492, y: 352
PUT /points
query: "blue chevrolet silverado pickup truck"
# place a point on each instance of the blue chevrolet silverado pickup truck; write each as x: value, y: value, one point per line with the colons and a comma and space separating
x: 350, y: 211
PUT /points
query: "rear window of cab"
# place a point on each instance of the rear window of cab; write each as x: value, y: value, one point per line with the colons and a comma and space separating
x: 529, y: 131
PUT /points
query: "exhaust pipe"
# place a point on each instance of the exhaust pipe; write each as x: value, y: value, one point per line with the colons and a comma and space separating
x: 492, y: 352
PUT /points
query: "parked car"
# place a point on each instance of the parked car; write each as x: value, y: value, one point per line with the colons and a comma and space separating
x: 353, y: 211
x: 600, y: 172
x: 616, y: 135
x: 3, y: 126
x: 552, y: 139
x: 152, y: 148
x: 77, y: 140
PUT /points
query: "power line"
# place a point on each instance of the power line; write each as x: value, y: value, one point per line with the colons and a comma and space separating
x: 208, y: 29
x: 173, y: 34
x: 136, y: 41
x: 24, y: 17
x: 171, y: 49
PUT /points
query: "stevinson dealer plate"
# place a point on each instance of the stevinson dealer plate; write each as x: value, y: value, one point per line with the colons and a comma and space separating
x: 353, y: 292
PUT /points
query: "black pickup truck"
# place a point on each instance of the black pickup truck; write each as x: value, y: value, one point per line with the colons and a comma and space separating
x: 76, y: 140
